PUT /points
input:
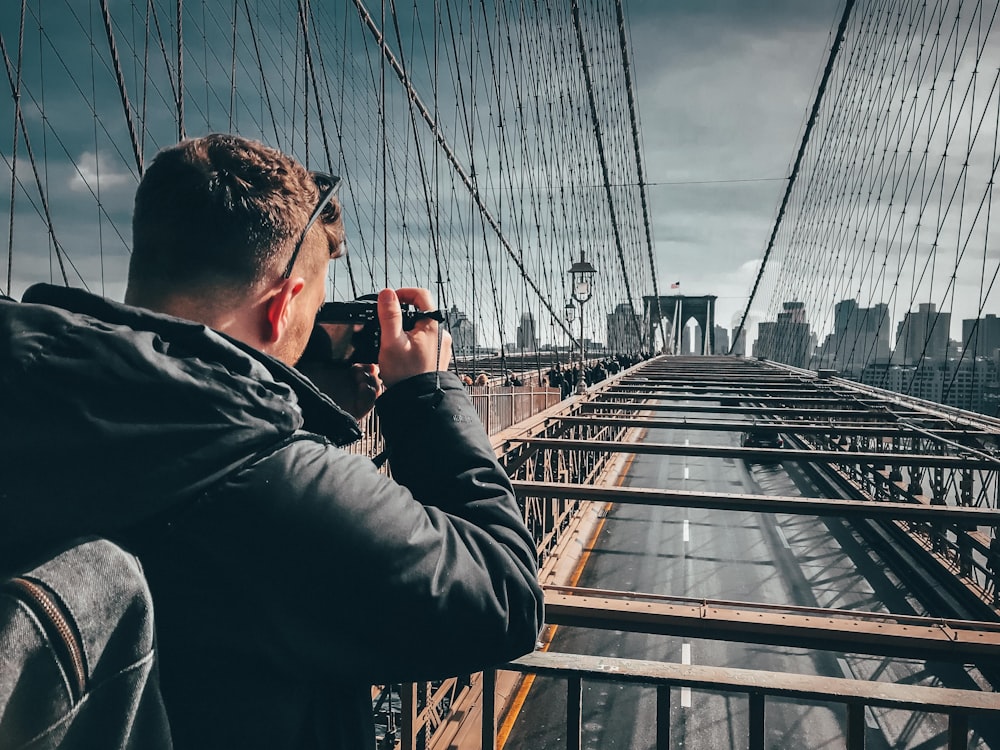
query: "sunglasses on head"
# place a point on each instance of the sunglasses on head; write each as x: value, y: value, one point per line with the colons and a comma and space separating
x: 328, y: 186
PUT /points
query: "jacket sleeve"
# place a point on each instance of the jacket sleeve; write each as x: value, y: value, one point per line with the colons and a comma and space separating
x: 350, y: 574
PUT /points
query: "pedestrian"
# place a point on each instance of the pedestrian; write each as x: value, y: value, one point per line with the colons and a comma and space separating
x: 555, y: 376
x: 287, y: 574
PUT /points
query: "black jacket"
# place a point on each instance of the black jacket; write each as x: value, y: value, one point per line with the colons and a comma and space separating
x: 287, y: 575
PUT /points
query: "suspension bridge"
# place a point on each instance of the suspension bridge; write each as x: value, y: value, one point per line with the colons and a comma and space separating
x: 796, y: 547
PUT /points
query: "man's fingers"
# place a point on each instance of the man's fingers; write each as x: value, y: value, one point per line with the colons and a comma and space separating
x: 418, y: 297
x: 390, y: 314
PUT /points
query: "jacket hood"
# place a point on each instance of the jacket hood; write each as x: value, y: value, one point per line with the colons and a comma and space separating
x: 111, y: 415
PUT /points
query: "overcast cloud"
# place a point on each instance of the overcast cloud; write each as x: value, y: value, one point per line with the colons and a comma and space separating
x: 722, y: 91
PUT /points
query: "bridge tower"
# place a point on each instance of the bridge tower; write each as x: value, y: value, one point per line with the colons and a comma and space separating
x: 676, y: 310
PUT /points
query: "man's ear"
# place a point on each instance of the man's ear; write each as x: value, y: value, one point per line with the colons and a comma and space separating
x: 278, y: 307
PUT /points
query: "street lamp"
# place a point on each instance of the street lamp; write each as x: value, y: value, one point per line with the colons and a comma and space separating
x: 569, y: 312
x: 582, y: 274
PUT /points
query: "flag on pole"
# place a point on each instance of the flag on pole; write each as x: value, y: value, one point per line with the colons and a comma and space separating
x: 676, y: 285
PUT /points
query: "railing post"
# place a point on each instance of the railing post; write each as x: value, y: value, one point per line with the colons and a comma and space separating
x: 993, y: 564
x: 663, y: 717
x: 958, y: 732
x: 489, y: 709
x: 407, y: 715
x: 756, y: 721
x: 962, y: 530
x: 574, y: 713
x: 855, y: 726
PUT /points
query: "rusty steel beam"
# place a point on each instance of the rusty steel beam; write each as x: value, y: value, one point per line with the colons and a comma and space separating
x: 775, y: 455
x: 592, y: 406
x: 724, y: 388
x: 812, y: 506
x: 755, y: 400
x: 778, y: 684
x: 890, y: 429
x: 934, y: 639
x: 711, y: 394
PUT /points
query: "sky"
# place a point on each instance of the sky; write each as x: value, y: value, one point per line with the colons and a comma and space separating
x: 722, y: 89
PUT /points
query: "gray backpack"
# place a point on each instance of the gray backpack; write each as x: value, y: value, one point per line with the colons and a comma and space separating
x: 77, y: 656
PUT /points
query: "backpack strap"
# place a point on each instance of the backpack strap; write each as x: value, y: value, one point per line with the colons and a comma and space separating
x: 77, y: 654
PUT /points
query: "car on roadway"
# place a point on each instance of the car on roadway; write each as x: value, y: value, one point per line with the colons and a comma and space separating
x: 762, y: 437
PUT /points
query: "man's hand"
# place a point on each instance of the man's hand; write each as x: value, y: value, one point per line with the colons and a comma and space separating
x: 353, y: 387
x: 404, y: 354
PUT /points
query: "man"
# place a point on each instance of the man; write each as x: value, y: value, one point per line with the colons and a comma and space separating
x: 555, y: 376
x: 287, y: 575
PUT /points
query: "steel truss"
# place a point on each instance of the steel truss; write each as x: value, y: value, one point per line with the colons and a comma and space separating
x: 925, y: 469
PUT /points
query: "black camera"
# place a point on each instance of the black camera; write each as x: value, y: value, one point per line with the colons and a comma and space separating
x: 364, y: 312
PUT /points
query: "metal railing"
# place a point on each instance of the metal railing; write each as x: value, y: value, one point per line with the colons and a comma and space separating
x: 499, y: 407
x: 759, y: 686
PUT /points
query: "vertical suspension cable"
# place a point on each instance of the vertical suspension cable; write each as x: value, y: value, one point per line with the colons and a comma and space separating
x: 411, y: 92
x: 640, y: 177
x: 180, y: 70
x: 232, y: 74
x: 16, y: 94
x: 595, y: 121
x: 838, y: 41
x: 42, y: 194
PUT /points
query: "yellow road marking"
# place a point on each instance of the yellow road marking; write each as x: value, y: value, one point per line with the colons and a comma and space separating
x: 522, y: 694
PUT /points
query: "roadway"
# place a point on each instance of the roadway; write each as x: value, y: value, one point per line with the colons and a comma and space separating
x: 741, y: 556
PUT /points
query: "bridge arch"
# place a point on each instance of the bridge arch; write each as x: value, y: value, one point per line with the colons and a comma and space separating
x: 671, y: 313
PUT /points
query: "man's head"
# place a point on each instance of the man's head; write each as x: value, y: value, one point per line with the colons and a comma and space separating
x: 216, y: 222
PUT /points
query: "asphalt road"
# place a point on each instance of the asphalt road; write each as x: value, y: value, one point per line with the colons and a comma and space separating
x: 742, y: 556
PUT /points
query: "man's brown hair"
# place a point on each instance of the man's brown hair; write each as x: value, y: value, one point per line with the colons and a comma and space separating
x: 219, y: 214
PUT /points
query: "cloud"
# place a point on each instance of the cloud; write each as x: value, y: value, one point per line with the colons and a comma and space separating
x: 96, y: 173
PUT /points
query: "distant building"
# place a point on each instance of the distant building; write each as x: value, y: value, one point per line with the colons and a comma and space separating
x: 981, y: 336
x: 861, y: 336
x: 685, y: 339
x: 463, y: 331
x: 721, y: 344
x: 623, y: 330
x: 787, y: 339
x: 922, y: 335
x: 526, y: 338
x: 740, y: 345
x: 964, y: 383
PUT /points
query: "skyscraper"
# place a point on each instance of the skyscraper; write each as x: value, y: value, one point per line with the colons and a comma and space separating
x: 526, y: 339
x: 463, y: 331
x: 786, y: 339
x: 721, y: 341
x: 623, y: 331
x: 981, y: 337
x: 922, y: 335
x: 861, y: 336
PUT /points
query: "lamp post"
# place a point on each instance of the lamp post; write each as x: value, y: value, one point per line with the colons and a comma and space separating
x: 570, y: 311
x: 582, y: 274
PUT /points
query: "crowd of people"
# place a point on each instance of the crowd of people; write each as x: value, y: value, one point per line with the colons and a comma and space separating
x: 566, y: 378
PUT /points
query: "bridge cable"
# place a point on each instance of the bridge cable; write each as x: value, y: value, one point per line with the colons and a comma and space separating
x: 16, y: 93
x: 640, y: 176
x: 180, y: 70
x: 263, y: 77
x: 442, y: 142
x: 122, y: 91
x: 838, y: 40
x: 19, y: 114
x: 575, y: 7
